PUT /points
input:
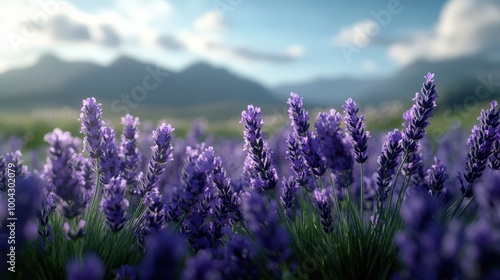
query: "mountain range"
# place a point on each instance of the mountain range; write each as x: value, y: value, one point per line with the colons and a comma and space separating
x: 205, y: 89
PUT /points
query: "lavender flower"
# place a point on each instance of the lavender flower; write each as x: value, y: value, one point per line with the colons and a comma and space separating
x: 356, y: 131
x: 416, y: 120
x: 92, y: 127
x: 436, y: 176
x: 162, y: 153
x: 334, y: 148
x: 294, y: 154
x: 229, y: 202
x: 200, y: 235
x: 154, y: 218
x: 91, y: 268
x: 256, y: 146
x: 62, y: 174
x: 202, y: 266
x: 426, y: 250
x: 262, y: 220
x: 311, y: 149
x: 494, y: 159
x: 3, y: 175
x: 387, y: 163
x: 128, y: 149
x: 298, y: 116
x: 165, y: 251
x: 195, y: 174
x: 288, y: 190
x: 74, y: 233
x: 480, y: 144
x: 238, y: 255
x: 114, y: 205
x: 482, y: 252
x: 109, y: 162
x: 323, y: 204
x: 126, y: 272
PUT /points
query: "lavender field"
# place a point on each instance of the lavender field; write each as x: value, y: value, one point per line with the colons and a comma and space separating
x: 320, y: 199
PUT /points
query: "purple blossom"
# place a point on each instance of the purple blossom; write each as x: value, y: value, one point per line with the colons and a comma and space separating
x: 127, y: 272
x: 92, y: 127
x: 494, y: 159
x: 129, y: 152
x: 239, y: 253
x: 480, y: 144
x: 387, y: 163
x: 91, y: 268
x: 114, y: 205
x: 229, y: 205
x: 288, y: 189
x: 436, y: 176
x: 426, y: 250
x: 202, y: 266
x: 200, y: 235
x: 256, y: 145
x: 154, y: 218
x: 311, y: 149
x: 62, y: 174
x: 109, y: 162
x: 261, y: 217
x: 164, y: 253
x: 416, y: 120
x: 482, y: 252
x: 334, y: 148
x: 294, y: 154
x: 298, y: 116
x: 162, y: 153
x: 356, y: 131
x: 74, y: 233
x: 323, y: 204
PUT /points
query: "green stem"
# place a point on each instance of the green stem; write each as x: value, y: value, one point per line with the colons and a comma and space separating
x: 466, y: 205
x: 361, y: 200
x: 458, y: 207
x: 393, y: 187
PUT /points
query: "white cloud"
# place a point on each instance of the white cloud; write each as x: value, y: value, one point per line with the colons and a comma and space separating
x: 210, y: 21
x: 295, y: 50
x: 357, y: 34
x: 465, y: 27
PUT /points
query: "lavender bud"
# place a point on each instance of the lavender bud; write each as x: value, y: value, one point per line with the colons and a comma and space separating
x: 91, y: 268
x: 92, y: 127
x: 323, y: 204
x: 356, y: 131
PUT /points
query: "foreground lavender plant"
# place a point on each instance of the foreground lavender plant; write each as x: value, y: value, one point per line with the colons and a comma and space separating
x: 128, y: 149
x: 114, y: 205
x: 109, y: 162
x: 480, y: 144
x: 323, y: 204
x: 416, y: 120
x: 436, y: 176
x: 162, y: 153
x: 91, y: 127
x: 356, y: 131
x: 256, y: 146
x: 387, y: 163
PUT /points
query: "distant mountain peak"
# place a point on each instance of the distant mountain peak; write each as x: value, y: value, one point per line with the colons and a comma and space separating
x: 49, y: 59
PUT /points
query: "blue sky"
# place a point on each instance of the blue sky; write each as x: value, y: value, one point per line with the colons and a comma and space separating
x: 269, y: 41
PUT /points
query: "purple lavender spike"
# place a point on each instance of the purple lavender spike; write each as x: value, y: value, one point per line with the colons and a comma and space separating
x: 162, y: 153
x: 109, y: 162
x: 480, y: 142
x: 114, y: 205
x: 387, y: 163
x: 323, y: 204
x: 92, y: 127
x: 436, y: 176
x: 256, y: 146
x: 298, y: 116
x: 356, y: 131
x: 128, y: 149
